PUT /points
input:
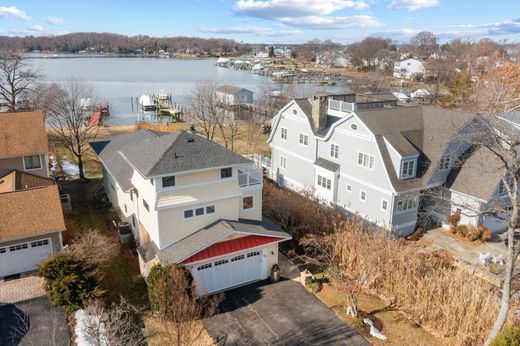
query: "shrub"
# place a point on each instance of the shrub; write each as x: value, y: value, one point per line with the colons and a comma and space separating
x: 453, y: 220
x: 95, y: 248
x: 510, y: 336
x: 416, y: 235
x: 69, y: 282
x: 463, y: 230
x: 474, y: 233
x: 358, y: 322
x: 485, y: 233
x: 314, y: 287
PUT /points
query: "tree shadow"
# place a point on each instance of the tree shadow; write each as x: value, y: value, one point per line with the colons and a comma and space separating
x: 14, y: 325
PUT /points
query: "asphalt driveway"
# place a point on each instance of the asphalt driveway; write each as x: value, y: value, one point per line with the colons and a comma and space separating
x: 282, y: 313
x: 33, y: 322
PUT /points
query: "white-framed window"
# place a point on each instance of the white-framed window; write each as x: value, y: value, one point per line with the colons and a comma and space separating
x: 145, y: 205
x: 304, y: 139
x: 204, y: 266
x: 283, y: 162
x: 199, y: 211
x: 366, y: 160
x: 32, y: 162
x: 406, y: 204
x: 168, y: 181
x: 221, y: 262
x: 349, y: 188
x: 384, y: 205
x: 18, y: 247
x: 253, y: 254
x: 324, y: 182
x: 363, y: 195
x: 40, y: 243
x: 408, y: 170
x: 283, y: 133
x: 334, y: 151
x: 238, y: 258
x: 445, y: 162
x: 247, y: 202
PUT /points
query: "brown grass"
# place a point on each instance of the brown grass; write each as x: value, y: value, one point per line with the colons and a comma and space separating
x: 455, y: 305
x: 161, y: 333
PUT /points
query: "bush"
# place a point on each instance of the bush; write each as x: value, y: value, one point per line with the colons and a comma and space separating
x: 358, y: 322
x: 485, y: 233
x: 314, y: 287
x: 69, y: 282
x: 508, y: 337
x: 95, y: 249
x: 463, y: 230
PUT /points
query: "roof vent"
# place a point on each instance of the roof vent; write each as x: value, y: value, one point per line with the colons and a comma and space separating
x: 190, y: 140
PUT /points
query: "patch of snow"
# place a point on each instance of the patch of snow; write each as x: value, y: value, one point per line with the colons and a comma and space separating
x: 487, y: 258
x: 373, y: 330
x: 85, y: 324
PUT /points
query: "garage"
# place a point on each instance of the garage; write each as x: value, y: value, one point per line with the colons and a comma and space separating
x: 226, y: 272
x: 23, y: 257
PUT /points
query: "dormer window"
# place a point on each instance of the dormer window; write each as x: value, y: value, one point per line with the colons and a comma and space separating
x: 168, y: 181
x: 226, y: 173
x: 445, y: 162
x: 408, y: 170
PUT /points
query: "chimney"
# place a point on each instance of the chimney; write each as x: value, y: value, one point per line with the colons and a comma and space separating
x: 319, y: 111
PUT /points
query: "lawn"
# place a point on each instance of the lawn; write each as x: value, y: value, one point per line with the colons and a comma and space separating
x: 396, y: 327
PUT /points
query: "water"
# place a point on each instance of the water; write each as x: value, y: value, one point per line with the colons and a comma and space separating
x: 116, y: 80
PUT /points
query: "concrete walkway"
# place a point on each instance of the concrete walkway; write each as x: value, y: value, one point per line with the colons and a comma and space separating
x: 24, y: 288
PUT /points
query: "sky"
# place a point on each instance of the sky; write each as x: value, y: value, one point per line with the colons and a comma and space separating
x: 266, y: 21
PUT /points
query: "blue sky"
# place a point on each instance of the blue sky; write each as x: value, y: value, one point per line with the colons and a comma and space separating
x: 270, y: 21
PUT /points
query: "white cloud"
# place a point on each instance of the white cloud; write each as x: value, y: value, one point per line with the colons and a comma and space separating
x: 498, y: 28
x: 272, y: 9
x: 36, y: 28
x: 13, y: 12
x: 331, y: 22
x: 55, y: 21
x: 412, y: 5
x: 258, y: 31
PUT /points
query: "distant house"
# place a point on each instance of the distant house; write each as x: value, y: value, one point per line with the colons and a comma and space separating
x: 333, y: 59
x: 231, y: 95
x: 192, y: 202
x: 31, y: 217
x: 409, y: 68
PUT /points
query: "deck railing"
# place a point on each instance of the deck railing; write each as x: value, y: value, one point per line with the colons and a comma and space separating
x: 341, y: 105
x: 249, y: 175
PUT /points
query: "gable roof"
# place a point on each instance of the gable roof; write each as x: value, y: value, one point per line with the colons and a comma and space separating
x: 22, y: 133
x: 30, y: 206
x: 477, y: 174
x: 230, y: 89
x: 213, y: 233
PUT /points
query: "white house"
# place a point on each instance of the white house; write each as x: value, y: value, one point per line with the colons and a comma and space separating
x: 192, y: 202
x: 231, y: 95
x: 409, y: 68
x: 371, y: 156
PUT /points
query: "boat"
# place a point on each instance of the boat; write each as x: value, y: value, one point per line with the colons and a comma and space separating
x: 147, y: 104
x: 223, y: 62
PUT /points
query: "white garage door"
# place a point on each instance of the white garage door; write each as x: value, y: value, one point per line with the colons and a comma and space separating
x: 218, y: 275
x: 23, y: 257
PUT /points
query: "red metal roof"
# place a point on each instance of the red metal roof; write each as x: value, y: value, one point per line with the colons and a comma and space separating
x: 95, y: 119
x: 230, y: 246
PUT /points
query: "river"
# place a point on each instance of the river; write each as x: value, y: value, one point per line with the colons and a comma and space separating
x: 116, y: 80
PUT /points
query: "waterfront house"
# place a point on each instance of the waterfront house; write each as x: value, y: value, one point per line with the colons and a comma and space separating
x: 31, y: 218
x: 372, y: 156
x: 192, y: 202
x: 233, y: 96
x: 409, y: 68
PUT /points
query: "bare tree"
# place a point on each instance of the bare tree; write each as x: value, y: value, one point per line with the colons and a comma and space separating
x: 364, y: 53
x: 424, y: 43
x: 17, y: 80
x: 69, y: 120
x: 500, y: 142
x: 205, y: 109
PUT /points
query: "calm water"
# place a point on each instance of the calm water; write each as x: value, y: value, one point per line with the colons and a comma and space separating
x: 118, y: 79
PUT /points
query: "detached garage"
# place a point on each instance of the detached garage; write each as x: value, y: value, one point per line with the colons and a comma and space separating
x: 31, y: 221
x: 225, y: 254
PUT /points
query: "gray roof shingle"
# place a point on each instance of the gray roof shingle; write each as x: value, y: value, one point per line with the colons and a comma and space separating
x: 326, y: 164
x: 210, y: 234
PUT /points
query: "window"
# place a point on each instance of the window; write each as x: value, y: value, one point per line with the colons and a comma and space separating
x: 126, y: 209
x: 253, y: 254
x: 136, y: 193
x: 366, y: 160
x: 3, y: 250
x: 408, y: 169
x: 17, y: 247
x: 210, y: 209
x: 39, y: 243
x: 188, y: 213
x: 32, y: 162
x: 151, y: 181
x: 294, y: 112
x: 334, y: 151
x: 199, y: 211
x: 353, y: 127
x: 384, y: 205
x: 131, y: 196
x: 324, y: 182
x: 502, y: 190
x: 283, y: 162
x: 349, y: 188
x: 283, y: 133
x: 168, y: 181
x: 237, y: 258
x: 406, y: 204
x: 221, y: 262
x: 445, y: 162
x: 204, y: 266
x: 133, y: 221
x: 304, y: 139
x: 363, y: 196
x: 145, y: 205
x: 247, y: 202
x: 226, y: 172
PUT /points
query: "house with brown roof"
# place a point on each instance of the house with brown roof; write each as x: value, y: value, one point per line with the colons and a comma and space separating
x: 372, y: 156
x: 31, y: 221
x: 31, y: 217
x: 23, y: 142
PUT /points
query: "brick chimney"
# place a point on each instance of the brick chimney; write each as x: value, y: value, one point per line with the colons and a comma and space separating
x: 319, y: 111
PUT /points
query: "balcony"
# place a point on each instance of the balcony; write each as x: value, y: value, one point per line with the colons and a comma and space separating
x: 341, y: 106
x: 249, y: 175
